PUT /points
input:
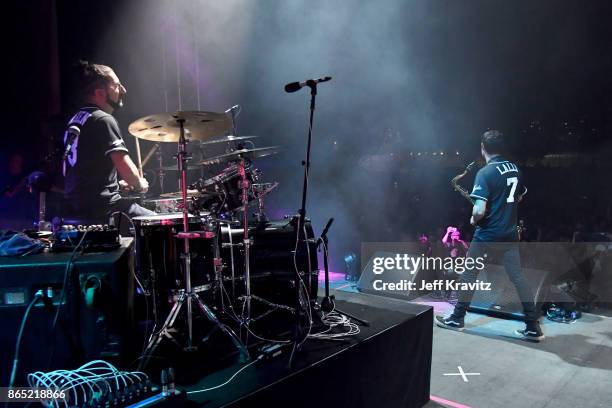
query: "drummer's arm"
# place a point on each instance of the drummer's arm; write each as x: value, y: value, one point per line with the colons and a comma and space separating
x: 128, y: 171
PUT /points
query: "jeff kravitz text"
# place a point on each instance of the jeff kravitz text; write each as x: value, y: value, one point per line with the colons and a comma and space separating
x: 439, y: 284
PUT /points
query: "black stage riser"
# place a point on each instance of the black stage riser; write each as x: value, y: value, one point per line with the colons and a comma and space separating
x: 387, y: 365
x: 84, y: 332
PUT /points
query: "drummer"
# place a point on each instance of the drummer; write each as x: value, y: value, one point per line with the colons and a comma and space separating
x: 97, y: 165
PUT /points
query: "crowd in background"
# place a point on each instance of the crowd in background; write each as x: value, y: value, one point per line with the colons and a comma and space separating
x: 560, y: 203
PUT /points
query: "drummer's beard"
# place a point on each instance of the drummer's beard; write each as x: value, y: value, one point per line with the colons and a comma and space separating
x: 115, y: 105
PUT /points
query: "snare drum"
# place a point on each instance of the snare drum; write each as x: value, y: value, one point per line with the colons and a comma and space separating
x: 171, y: 203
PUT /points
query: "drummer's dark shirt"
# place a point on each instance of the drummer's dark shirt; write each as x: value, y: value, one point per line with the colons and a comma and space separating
x: 91, y: 185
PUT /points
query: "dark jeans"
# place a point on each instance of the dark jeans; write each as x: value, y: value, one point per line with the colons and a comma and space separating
x: 130, y: 208
x: 98, y: 213
x: 508, y: 253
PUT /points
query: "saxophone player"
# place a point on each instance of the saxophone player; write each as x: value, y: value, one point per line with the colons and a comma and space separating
x: 498, y: 188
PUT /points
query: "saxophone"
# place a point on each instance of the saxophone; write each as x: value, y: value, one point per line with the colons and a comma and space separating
x: 458, y: 188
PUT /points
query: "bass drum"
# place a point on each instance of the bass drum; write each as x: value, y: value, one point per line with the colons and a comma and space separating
x: 271, y: 261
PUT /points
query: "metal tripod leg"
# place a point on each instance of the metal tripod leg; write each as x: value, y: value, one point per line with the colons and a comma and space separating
x: 226, y: 330
x: 168, y: 328
x: 165, y: 332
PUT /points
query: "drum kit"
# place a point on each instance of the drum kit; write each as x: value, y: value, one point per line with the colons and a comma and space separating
x: 199, y: 250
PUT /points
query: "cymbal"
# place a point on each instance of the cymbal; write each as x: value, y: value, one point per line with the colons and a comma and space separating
x: 164, y: 127
x: 179, y: 194
x: 227, y: 139
x: 264, y: 188
x: 246, y: 153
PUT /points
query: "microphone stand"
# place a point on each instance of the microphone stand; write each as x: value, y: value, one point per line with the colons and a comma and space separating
x: 300, y: 224
x: 327, y: 303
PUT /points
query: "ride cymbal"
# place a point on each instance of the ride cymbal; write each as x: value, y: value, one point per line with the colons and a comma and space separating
x: 165, y: 127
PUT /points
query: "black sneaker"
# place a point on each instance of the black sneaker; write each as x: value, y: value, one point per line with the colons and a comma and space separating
x: 449, y: 322
x: 531, y: 332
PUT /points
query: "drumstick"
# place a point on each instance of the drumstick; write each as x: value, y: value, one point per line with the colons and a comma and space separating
x: 138, y: 157
x: 149, y: 155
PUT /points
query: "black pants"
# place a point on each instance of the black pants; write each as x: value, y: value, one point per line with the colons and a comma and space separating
x: 508, y: 253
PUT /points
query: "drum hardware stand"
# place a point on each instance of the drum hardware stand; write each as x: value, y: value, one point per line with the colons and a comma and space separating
x: 245, y: 186
x: 160, y: 171
x: 231, y: 245
x: 327, y: 303
x: 218, y: 265
x: 187, y: 296
x: 260, y: 214
x: 234, y: 111
x: 151, y: 291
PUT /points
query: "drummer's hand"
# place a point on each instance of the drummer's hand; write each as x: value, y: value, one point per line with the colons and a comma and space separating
x: 143, y: 185
x: 123, y: 185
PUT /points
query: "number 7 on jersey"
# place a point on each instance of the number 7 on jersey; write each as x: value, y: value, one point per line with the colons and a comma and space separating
x: 514, y: 182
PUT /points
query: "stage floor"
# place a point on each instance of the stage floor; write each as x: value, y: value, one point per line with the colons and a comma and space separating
x: 387, y: 363
x: 571, y: 368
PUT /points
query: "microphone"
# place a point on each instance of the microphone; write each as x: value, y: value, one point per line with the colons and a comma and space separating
x: 234, y: 110
x: 329, y: 223
x: 71, y: 134
x: 323, y: 237
x: 296, y: 86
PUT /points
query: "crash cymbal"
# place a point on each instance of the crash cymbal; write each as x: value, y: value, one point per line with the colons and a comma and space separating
x: 227, y: 139
x: 246, y: 153
x: 164, y: 127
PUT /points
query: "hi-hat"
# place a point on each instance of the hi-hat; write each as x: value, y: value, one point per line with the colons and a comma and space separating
x: 227, y: 139
x: 165, y: 127
x: 242, y: 153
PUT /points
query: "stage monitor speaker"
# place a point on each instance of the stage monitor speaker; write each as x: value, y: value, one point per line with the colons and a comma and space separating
x: 544, y: 266
x: 370, y: 282
x: 95, y: 320
x: 503, y: 300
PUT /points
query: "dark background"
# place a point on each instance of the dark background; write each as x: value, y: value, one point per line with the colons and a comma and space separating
x: 410, y: 77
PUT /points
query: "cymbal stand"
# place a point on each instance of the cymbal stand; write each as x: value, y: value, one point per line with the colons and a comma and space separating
x: 233, y: 112
x: 244, y: 186
x: 187, y: 296
x: 160, y: 170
